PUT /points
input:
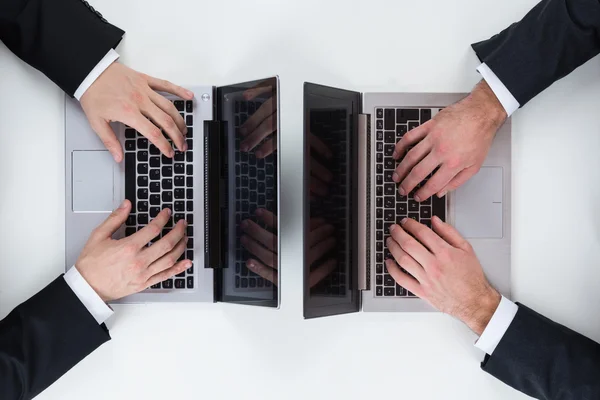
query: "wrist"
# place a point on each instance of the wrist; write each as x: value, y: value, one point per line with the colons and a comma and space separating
x: 485, y: 101
x: 481, y: 313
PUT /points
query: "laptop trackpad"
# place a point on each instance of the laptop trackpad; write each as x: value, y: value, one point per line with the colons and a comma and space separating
x: 92, y: 181
x: 478, y: 205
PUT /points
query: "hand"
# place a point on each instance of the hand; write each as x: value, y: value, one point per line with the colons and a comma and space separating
x: 456, y: 140
x: 124, y: 95
x: 263, y: 245
x: 441, y: 268
x: 261, y: 124
x: 321, y: 242
x: 320, y: 176
x: 118, y: 268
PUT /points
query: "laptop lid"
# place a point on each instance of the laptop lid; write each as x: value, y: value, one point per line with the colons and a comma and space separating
x: 247, y: 194
x: 330, y: 212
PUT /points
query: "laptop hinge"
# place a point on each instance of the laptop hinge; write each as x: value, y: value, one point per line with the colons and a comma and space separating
x: 364, y: 202
x: 215, y: 194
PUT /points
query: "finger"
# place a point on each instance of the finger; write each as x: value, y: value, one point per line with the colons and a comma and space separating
x: 114, y: 221
x: 460, y: 179
x: 410, y: 138
x: 166, y: 86
x: 321, y: 272
x: 404, y: 260
x: 319, y: 234
x: 319, y: 146
x: 419, y: 173
x: 153, y: 229
x: 167, y: 260
x: 318, y: 169
x: 320, y: 249
x: 108, y: 137
x: 414, y: 156
x: 264, y: 111
x: 166, y: 122
x: 259, y: 234
x: 168, y: 107
x: 167, y: 243
x: 317, y: 187
x: 424, y: 235
x: 152, y: 132
x: 316, y: 222
x: 261, y: 88
x: 169, y: 273
x: 414, y: 249
x: 260, y: 269
x: 449, y: 234
x: 266, y: 128
x: 403, y: 279
x: 436, y: 183
x: 267, y: 217
x: 267, y: 148
x: 263, y: 254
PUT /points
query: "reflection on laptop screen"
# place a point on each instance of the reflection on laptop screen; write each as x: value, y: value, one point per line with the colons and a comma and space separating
x: 249, y: 114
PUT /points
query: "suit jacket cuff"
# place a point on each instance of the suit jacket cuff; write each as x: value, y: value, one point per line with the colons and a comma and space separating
x: 88, y: 296
x: 106, y: 62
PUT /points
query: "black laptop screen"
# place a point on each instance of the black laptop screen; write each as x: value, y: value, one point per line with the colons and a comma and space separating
x: 330, y: 275
x: 249, y: 115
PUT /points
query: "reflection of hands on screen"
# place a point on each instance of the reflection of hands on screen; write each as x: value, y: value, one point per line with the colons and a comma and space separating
x: 320, y: 176
x: 260, y: 125
x: 262, y: 244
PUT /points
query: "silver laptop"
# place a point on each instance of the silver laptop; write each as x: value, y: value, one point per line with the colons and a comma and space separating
x: 216, y: 186
x: 350, y: 199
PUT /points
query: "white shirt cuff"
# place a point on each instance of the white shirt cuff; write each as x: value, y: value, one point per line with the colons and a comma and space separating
x: 108, y: 59
x: 90, y: 299
x: 507, y: 100
x: 498, y: 325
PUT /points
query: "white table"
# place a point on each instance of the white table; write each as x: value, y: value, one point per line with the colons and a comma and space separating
x: 216, y: 351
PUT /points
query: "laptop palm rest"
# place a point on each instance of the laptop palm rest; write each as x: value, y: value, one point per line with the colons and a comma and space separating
x: 93, y: 181
x: 478, y: 205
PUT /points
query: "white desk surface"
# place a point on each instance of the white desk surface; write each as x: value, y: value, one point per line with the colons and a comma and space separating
x: 216, y: 351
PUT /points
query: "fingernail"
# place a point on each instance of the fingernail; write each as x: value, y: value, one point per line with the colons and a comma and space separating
x: 402, y: 191
x: 168, y: 211
x: 260, y: 154
x: 185, y: 147
x: 117, y: 158
x: 417, y: 198
x: 403, y: 221
x: 392, y: 227
x: 395, y: 154
x: 123, y: 204
x: 189, y: 93
x: 395, y: 177
x: 435, y: 217
x: 442, y: 194
x: 184, y: 222
x: 251, y: 264
x: 185, y: 131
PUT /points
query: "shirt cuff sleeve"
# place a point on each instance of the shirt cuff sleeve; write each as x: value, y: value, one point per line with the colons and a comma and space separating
x: 108, y: 59
x: 505, y: 98
x: 90, y: 299
x: 498, y: 325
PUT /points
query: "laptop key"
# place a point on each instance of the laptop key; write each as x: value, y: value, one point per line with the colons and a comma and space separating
x: 154, y: 187
x: 154, y: 211
x: 167, y: 197
x: 129, y: 133
x: 389, y: 291
x: 179, y: 182
x: 178, y: 105
x: 168, y: 284
x: 179, y: 168
x: 189, y: 106
x: 142, y: 156
x: 154, y: 162
x: 180, y: 283
x: 389, y: 118
x: 130, y: 145
x: 190, y: 282
x: 179, y: 193
x: 142, y: 181
x: 167, y: 184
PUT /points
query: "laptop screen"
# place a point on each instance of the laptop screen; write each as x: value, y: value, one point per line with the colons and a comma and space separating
x: 330, y: 222
x: 249, y: 116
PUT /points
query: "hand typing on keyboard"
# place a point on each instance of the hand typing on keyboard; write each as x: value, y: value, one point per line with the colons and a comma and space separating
x: 124, y: 95
x: 118, y: 268
x: 441, y: 267
x: 455, y: 142
x: 260, y: 125
x: 262, y: 244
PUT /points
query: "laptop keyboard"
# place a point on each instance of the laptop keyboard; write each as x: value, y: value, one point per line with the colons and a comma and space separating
x: 255, y: 188
x: 390, y: 208
x: 154, y: 182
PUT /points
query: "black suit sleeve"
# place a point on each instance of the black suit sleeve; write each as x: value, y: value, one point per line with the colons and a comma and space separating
x: 546, y: 360
x: 553, y: 39
x: 64, y: 39
x: 43, y: 338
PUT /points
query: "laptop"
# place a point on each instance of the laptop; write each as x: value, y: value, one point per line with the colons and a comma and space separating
x: 350, y: 199
x: 219, y: 186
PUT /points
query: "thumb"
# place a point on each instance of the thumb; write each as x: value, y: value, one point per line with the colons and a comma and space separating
x: 113, y: 222
x: 108, y: 137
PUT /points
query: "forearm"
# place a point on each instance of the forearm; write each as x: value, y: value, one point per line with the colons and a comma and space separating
x: 553, y: 39
x: 43, y: 338
x: 546, y: 360
x: 64, y: 39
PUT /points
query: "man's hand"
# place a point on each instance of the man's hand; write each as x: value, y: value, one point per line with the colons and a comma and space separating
x: 442, y: 269
x: 124, y: 95
x: 456, y: 140
x: 118, y: 268
x: 260, y: 125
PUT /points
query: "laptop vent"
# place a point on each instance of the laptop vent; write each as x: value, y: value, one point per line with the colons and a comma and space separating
x: 368, y: 213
